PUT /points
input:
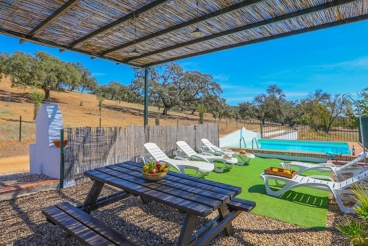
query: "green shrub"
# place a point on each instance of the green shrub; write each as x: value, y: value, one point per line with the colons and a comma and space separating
x: 356, y: 230
x: 157, y: 120
x: 201, y: 109
x: 100, y: 101
x: 37, y: 98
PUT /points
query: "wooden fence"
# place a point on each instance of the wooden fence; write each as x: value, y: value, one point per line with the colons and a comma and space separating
x: 90, y: 148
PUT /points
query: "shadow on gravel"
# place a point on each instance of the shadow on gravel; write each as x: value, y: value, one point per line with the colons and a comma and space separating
x: 20, y: 178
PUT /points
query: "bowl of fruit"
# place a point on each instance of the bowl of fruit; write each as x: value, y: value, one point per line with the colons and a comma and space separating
x: 155, y: 171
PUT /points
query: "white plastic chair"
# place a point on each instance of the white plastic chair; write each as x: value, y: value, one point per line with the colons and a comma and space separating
x: 347, y: 168
x: 212, y: 149
x: 203, y: 167
x: 338, y: 189
x: 188, y: 152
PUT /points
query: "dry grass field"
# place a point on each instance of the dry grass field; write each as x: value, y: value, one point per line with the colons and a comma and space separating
x: 114, y: 114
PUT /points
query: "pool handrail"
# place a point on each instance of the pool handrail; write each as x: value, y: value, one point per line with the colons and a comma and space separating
x: 253, y: 143
x: 245, y: 145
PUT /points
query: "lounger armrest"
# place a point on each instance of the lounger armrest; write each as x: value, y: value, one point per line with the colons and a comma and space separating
x: 196, y: 157
x: 206, y: 149
x: 219, y: 152
x: 145, y: 158
x: 207, y: 153
x: 173, y: 165
x: 180, y: 158
x: 180, y: 154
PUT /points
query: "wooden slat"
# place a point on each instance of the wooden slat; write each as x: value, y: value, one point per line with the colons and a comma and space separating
x: 134, y: 14
x: 96, y: 225
x: 199, y: 180
x: 195, y: 183
x: 167, y: 182
x: 244, y: 28
x: 241, y: 204
x: 52, y: 17
x: 74, y: 227
x: 163, y: 188
x: 160, y: 197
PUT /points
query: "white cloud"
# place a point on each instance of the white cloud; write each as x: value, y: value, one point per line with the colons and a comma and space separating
x: 221, y: 77
x: 360, y: 63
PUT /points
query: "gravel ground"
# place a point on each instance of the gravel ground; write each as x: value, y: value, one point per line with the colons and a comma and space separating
x: 20, y: 178
x: 22, y: 223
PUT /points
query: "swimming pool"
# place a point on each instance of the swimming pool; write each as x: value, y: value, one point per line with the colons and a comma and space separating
x: 303, y: 146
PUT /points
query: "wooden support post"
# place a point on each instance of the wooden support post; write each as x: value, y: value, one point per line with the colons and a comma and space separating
x: 93, y: 194
x: 187, y: 229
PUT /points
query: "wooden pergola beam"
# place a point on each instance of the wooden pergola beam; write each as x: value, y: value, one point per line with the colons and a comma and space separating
x: 62, y: 48
x: 52, y: 17
x: 186, y: 24
x: 125, y: 18
x: 247, y: 27
x: 309, y: 29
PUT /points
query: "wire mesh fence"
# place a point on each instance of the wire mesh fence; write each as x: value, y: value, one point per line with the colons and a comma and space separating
x: 342, y: 129
x: 14, y: 127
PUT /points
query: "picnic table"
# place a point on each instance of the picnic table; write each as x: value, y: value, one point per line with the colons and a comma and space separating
x: 190, y: 195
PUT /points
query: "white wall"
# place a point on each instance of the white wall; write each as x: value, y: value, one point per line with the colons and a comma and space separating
x: 235, y: 137
x: 44, y: 156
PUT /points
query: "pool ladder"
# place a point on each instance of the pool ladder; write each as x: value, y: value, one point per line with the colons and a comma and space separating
x: 245, y: 145
x: 253, y: 144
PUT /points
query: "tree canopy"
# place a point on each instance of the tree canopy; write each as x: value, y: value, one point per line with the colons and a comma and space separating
x: 170, y: 86
x: 44, y: 71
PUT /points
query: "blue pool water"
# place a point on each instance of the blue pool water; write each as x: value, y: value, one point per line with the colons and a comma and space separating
x: 304, y: 146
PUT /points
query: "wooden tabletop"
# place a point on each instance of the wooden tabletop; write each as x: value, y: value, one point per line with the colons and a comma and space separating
x: 188, y: 194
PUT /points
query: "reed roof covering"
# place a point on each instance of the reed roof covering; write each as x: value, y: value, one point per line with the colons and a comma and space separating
x: 160, y: 30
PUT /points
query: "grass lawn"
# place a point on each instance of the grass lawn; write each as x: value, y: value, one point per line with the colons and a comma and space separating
x: 302, y: 206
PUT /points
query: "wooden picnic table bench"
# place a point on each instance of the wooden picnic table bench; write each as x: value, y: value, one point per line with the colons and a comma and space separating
x: 87, y: 229
x: 190, y: 195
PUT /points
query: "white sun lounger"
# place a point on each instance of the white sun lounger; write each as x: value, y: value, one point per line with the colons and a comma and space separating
x: 212, y: 149
x: 209, y: 147
x: 203, y: 167
x: 347, y: 168
x: 188, y: 152
x: 338, y: 189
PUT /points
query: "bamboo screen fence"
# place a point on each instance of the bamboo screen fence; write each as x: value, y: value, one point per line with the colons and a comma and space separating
x: 161, y: 29
x: 90, y: 148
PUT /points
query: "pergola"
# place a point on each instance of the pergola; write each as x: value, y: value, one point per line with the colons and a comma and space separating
x: 144, y: 33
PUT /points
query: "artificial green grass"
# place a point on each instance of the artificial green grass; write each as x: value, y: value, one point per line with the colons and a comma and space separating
x: 301, y: 206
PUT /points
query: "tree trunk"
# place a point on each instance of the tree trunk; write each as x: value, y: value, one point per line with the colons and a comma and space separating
x: 47, y: 94
x: 165, y: 111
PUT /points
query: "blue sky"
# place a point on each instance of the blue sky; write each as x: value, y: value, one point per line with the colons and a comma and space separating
x: 334, y: 60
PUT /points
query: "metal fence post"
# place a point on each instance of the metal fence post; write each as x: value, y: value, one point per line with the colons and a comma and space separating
x: 20, y: 128
x: 261, y: 126
x: 61, y: 158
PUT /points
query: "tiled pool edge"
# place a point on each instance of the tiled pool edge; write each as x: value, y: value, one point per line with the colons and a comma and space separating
x: 295, y: 156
